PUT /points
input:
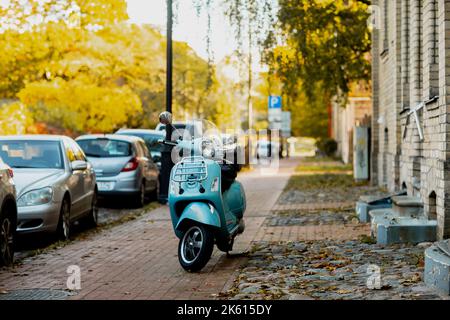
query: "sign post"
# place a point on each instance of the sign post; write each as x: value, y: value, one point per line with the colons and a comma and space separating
x: 275, y: 113
x: 286, y: 124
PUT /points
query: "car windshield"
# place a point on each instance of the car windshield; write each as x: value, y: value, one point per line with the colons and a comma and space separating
x: 31, y: 154
x: 150, y: 140
x: 105, y: 148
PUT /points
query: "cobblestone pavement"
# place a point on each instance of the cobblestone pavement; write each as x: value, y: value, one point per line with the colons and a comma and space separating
x: 138, y: 259
x: 313, y: 247
x: 332, y: 270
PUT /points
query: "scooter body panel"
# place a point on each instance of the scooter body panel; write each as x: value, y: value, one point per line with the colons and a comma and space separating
x: 199, y: 212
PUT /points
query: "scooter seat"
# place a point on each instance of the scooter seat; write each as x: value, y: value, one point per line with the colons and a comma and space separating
x: 229, y: 175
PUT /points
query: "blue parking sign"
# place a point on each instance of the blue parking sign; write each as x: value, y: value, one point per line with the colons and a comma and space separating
x: 274, y: 102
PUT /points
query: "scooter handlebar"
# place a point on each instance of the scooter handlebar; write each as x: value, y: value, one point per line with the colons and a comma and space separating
x: 169, y: 143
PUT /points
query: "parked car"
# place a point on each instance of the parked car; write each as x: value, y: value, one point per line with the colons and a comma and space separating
x: 151, y: 138
x: 123, y: 166
x: 55, y: 184
x: 267, y: 149
x: 8, y: 215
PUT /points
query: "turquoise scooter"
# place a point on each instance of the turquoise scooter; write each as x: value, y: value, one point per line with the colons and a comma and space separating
x: 206, y: 202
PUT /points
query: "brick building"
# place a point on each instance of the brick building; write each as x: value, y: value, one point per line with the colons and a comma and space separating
x: 411, y: 103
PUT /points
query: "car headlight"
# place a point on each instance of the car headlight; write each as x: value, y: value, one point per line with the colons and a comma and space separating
x: 36, y: 197
x: 208, y: 149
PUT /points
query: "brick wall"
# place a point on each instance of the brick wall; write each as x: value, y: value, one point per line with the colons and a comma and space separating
x: 411, y: 65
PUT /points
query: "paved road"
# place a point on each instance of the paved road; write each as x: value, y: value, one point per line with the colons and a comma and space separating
x: 137, y: 260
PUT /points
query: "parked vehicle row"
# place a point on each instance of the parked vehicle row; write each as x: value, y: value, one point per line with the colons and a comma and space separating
x: 47, y: 182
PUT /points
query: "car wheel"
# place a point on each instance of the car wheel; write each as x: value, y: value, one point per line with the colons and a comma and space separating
x: 195, y: 248
x: 92, y: 218
x: 155, y: 193
x: 140, y: 197
x: 7, y: 237
x: 63, y: 230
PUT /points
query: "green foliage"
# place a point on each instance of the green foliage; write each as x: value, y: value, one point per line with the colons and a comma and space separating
x: 327, y: 44
x: 327, y: 146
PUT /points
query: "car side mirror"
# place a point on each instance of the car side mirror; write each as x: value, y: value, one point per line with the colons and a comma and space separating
x: 165, y: 118
x: 79, y: 165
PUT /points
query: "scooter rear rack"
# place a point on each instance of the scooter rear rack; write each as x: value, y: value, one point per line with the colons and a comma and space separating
x: 191, y: 169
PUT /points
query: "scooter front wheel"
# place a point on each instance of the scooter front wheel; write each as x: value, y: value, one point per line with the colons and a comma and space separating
x: 195, y: 248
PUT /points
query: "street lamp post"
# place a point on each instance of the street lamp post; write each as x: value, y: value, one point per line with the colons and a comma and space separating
x: 166, y: 161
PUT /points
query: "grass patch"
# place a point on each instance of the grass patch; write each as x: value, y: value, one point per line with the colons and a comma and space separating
x: 319, y: 159
x: 323, y: 168
x: 322, y: 181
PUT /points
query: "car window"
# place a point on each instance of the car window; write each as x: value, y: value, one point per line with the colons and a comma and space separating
x: 69, y: 152
x: 79, y: 154
x: 151, y: 141
x: 145, y: 149
x: 106, y: 148
x: 35, y: 154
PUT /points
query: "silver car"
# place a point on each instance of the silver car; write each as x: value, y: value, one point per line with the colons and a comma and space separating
x: 8, y: 215
x: 123, y: 166
x: 151, y: 138
x: 55, y: 183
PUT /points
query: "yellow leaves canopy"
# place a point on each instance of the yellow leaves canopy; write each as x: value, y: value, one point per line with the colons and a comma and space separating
x: 80, y: 106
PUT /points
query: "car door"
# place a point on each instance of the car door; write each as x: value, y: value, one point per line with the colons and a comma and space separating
x: 88, y: 177
x: 150, y: 168
x: 75, y: 182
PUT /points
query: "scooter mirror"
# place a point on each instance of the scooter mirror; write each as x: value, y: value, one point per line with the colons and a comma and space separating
x: 165, y: 118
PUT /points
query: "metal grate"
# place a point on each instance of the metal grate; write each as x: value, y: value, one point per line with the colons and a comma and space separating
x: 36, y: 294
x: 191, y: 169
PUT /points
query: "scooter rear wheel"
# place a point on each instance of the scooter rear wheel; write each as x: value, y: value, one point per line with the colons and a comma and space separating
x: 195, y: 248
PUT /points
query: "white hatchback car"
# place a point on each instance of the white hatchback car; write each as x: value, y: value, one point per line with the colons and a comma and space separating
x: 8, y: 215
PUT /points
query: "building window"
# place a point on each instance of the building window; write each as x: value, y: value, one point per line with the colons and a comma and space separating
x: 432, y: 212
x: 386, y: 25
x: 420, y: 42
x: 434, y: 52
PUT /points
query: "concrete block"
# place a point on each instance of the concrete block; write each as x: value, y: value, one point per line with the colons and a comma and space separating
x: 437, y: 268
x: 407, y: 206
x: 390, y: 230
x: 363, y: 209
x: 366, y: 204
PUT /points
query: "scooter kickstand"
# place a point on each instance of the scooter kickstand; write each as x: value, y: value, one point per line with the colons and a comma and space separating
x: 238, y: 254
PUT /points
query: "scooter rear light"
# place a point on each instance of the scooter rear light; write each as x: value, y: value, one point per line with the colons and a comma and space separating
x: 132, y: 165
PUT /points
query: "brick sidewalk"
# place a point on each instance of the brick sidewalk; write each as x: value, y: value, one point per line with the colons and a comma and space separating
x: 138, y: 260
